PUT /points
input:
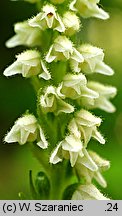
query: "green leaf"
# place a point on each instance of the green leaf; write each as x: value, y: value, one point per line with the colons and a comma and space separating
x: 42, y: 185
x: 32, y: 188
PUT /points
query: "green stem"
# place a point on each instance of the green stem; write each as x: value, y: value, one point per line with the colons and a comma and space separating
x: 57, y: 181
x: 42, y: 156
x: 35, y: 83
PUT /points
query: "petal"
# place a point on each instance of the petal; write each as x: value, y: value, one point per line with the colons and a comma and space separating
x: 87, y: 161
x: 49, y: 57
x: 43, y: 142
x: 45, y: 74
x: 97, y: 135
x: 99, y: 178
x: 72, y: 144
x: 73, y: 158
x: 87, y: 92
x: 37, y: 21
x: 102, y: 68
x: 85, y: 118
x: 102, y: 163
x: 100, y: 13
x: 77, y: 56
x: 13, y: 69
x: 105, y: 105
x: 60, y: 26
x: 13, y: 135
x: 23, y: 136
x: 104, y: 90
x: 54, y: 158
x: 62, y: 106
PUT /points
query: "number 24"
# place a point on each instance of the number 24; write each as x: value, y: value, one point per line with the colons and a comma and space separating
x: 112, y: 207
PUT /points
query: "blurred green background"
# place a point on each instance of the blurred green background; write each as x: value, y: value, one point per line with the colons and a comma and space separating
x: 17, y: 95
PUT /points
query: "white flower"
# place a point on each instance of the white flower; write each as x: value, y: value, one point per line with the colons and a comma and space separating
x: 86, y: 125
x: 52, y: 101
x: 71, y: 23
x: 102, y: 102
x: 28, y: 64
x: 26, y: 129
x: 25, y: 35
x: 48, y: 18
x: 89, y: 174
x: 75, y: 86
x: 88, y: 192
x: 93, y: 61
x: 63, y: 49
x: 88, y: 8
x: 69, y: 148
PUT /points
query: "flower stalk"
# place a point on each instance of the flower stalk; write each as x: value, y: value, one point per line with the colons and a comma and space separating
x: 58, y: 69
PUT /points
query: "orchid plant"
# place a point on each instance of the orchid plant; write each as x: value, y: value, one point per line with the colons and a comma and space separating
x: 59, y: 68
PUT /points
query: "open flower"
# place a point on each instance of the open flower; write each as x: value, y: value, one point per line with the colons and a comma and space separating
x: 93, y: 61
x: 69, y: 148
x: 88, y: 174
x: 26, y: 129
x: 63, y: 49
x: 48, y: 18
x: 52, y: 101
x: 75, y: 86
x: 88, y: 8
x: 28, y: 64
x: 88, y: 192
x: 71, y: 23
x: 102, y: 102
x: 25, y: 35
x: 86, y: 125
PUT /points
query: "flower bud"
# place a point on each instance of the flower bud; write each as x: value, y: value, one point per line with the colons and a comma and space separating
x: 71, y: 23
